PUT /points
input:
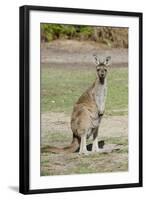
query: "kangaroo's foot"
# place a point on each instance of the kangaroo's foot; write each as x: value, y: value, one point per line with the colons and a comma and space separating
x: 84, y: 152
x: 95, y: 147
x: 83, y: 148
x: 97, y: 150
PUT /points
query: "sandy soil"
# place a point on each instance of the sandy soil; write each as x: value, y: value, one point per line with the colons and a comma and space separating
x: 80, y: 53
x: 115, y: 126
x: 56, y: 132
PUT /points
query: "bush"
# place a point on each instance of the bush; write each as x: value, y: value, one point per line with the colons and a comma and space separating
x: 112, y: 37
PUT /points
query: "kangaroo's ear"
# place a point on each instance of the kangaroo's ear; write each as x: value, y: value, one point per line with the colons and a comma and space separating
x: 107, y: 61
x: 97, y: 60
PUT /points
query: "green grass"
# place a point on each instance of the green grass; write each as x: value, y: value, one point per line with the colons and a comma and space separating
x: 61, y: 88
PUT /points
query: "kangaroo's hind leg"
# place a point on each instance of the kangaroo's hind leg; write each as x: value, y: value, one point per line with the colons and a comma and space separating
x: 83, y: 147
x: 95, y: 147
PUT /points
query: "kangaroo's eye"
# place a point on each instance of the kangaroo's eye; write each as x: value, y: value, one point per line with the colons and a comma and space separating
x: 98, y: 69
x: 105, y: 70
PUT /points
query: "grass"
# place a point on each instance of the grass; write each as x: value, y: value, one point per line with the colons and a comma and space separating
x: 61, y: 87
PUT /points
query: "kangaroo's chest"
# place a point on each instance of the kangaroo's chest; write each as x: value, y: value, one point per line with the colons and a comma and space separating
x: 100, y: 96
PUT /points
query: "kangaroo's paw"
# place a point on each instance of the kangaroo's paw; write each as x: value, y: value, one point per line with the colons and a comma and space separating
x: 84, y: 152
x: 96, y: 150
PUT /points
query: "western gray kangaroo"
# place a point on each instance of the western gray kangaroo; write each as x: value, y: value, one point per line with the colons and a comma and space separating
x: 87, y: 112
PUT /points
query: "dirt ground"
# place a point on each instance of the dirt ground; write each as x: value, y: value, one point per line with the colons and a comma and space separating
x: 79, y: 54
x: 115, y: 126
x: 56, y: 131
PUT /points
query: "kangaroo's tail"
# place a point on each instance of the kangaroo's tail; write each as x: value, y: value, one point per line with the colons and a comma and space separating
x: 73, y: 147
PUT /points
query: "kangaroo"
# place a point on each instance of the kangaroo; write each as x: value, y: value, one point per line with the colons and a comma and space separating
x: 87, y: 113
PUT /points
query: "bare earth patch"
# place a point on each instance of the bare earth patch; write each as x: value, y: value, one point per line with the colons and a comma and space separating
x: 55, y: 131
x: 69, y: 53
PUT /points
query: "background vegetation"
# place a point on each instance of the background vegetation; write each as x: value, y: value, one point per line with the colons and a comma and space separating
x: 112, y: 37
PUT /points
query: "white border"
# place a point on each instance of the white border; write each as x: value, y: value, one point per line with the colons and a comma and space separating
x: 37, y: 182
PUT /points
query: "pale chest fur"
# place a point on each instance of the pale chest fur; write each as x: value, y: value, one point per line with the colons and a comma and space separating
x: 100, y: 96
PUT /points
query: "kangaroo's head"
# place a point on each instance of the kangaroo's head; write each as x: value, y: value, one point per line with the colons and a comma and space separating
x: 102, y: 67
